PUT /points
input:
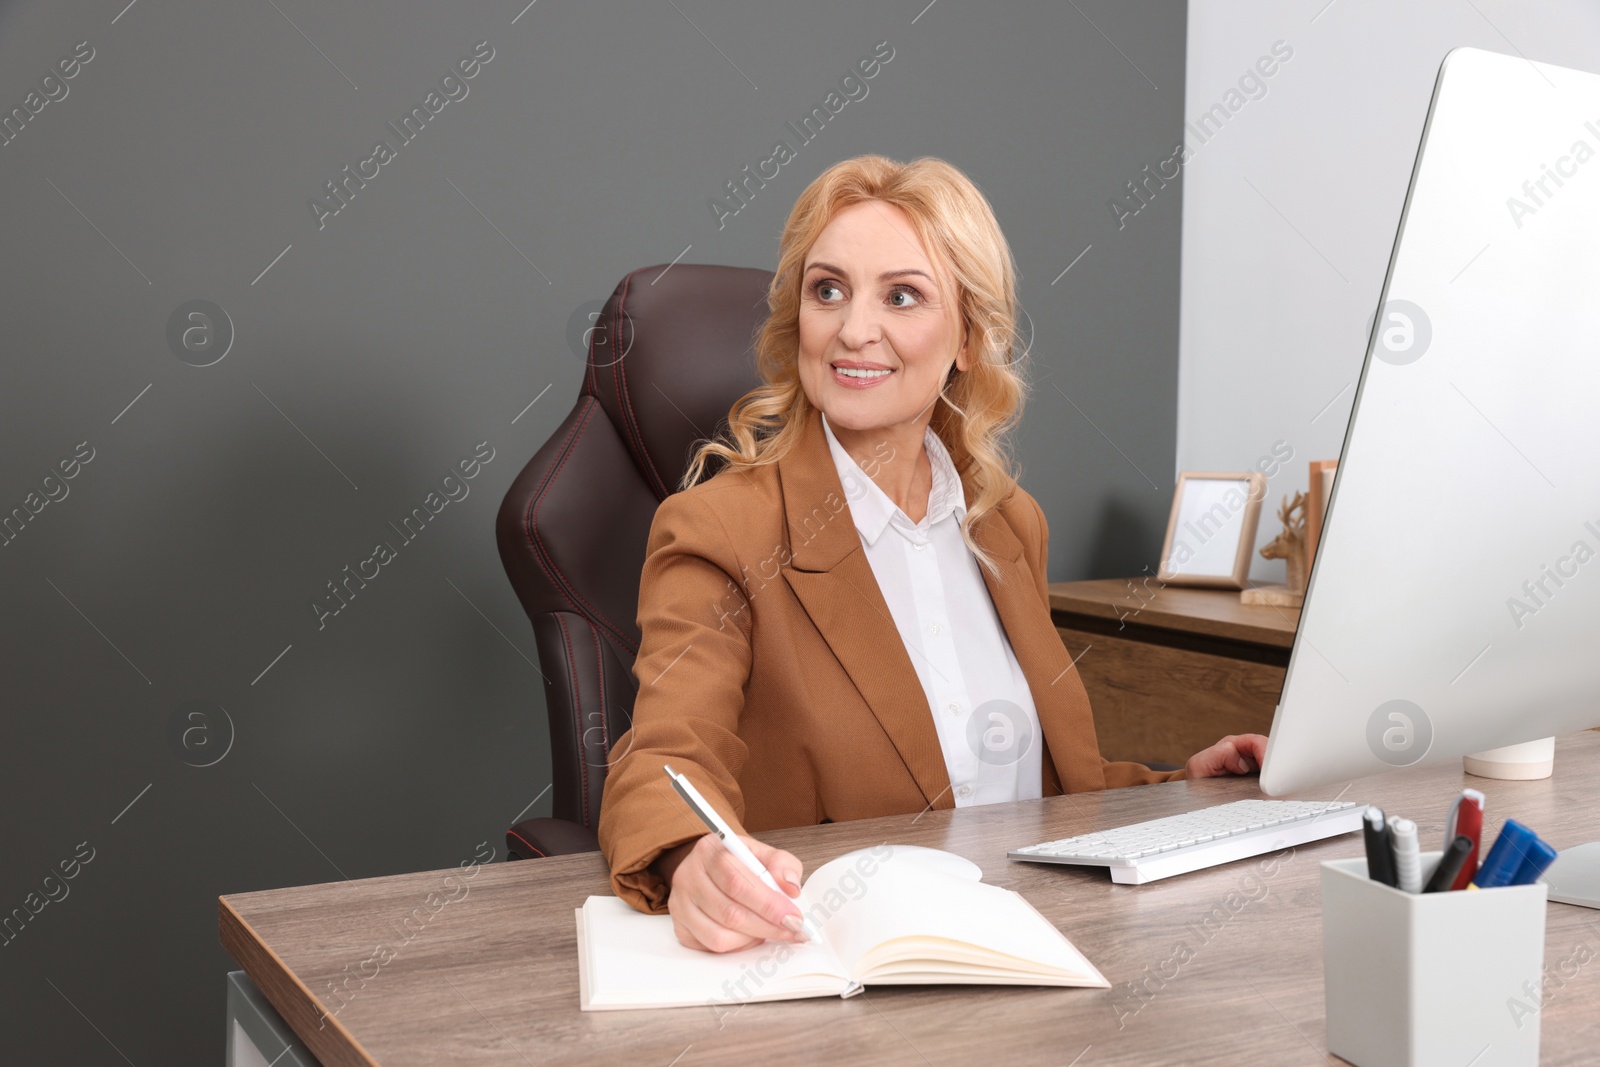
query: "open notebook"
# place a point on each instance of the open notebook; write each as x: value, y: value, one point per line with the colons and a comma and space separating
x: 891, y: 914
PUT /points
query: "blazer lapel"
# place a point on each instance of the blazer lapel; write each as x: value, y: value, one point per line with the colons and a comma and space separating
x: 833, y: 580
x: 1070, y: 759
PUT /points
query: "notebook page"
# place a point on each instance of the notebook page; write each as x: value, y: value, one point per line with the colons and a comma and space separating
x: 633, y: 960
x: 913, y: 900
x: 841, y: 890
x: 841, y: 883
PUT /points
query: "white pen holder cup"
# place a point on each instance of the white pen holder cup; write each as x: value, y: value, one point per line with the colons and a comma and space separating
x: 1418, y: 979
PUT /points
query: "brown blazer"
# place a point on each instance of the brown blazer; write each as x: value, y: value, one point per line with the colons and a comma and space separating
x: 771, y: 673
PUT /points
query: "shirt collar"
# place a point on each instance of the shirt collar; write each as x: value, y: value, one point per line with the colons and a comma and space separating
x: 872, y: 510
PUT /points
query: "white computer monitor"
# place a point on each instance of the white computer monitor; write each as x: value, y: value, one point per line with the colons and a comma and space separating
x: 1454, y: 602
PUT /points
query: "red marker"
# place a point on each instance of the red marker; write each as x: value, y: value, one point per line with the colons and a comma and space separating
x: 1465, y: 819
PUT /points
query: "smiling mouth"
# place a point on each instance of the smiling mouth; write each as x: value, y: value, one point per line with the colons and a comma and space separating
x: 862, y: 372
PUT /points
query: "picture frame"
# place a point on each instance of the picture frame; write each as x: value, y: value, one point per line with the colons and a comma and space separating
x: 1317, y: 496
x: 1211, y: 532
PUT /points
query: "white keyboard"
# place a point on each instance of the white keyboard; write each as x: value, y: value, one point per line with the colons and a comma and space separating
x: 1145, y: 851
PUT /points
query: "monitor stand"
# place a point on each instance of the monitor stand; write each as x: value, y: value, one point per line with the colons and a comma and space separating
x: 1524, y: 762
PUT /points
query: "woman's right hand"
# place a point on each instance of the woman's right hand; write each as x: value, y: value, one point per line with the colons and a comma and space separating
x: 718, y: 905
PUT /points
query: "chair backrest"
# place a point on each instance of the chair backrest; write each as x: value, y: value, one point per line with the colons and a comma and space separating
x: 669, y: 354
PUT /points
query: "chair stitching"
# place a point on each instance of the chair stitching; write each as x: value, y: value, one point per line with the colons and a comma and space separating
x: 600, y: 673
x: 536, y: 541
x: 577, y: 706
x: 624, y: 404
x: 525, y: 841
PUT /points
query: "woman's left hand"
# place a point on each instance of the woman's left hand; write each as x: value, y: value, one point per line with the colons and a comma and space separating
x: 1234, y: 754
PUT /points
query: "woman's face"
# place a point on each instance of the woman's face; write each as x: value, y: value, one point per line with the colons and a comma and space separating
x: 879, y: 324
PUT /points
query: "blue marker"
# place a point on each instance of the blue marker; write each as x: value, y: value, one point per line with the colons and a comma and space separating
x: 1514, y: 845
x: 1539, y: 857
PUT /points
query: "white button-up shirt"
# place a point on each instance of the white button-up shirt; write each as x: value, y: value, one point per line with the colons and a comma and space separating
x: 977, y: 694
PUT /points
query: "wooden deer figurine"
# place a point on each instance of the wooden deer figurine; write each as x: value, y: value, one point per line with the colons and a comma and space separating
x: 1290, y: 545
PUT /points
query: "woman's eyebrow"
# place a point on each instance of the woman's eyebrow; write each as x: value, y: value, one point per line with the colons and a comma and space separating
x: 885, y: 276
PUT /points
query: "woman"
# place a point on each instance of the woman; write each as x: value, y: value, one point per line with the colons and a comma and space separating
x: 851, y: 618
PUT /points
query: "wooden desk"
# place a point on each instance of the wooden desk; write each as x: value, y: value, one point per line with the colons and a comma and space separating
x: 1170, y: 670
x: 493, y: 978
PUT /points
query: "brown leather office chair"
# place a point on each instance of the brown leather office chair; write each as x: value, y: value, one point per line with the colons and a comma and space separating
x: 669, y: 354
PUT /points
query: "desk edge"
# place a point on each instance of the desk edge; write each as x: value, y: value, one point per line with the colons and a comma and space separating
x: 1064, y: 604
x: 271, y: 975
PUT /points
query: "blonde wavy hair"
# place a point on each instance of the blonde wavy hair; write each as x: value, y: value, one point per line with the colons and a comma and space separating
x: 975, y: 409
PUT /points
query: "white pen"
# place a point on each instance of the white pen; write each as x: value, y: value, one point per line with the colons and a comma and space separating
x: 1407, y: 858
x: 714, y: 822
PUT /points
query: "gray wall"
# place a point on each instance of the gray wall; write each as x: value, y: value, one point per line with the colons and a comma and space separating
x: 172, y: 701
x: 1291, y: 206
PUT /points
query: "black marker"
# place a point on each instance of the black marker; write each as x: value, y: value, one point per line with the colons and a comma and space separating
x: 1444, y: 875
x: 1380, y: 848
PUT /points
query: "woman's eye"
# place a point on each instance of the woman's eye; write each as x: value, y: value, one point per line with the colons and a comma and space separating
x: 911, y: 296
x: 821, y: 289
